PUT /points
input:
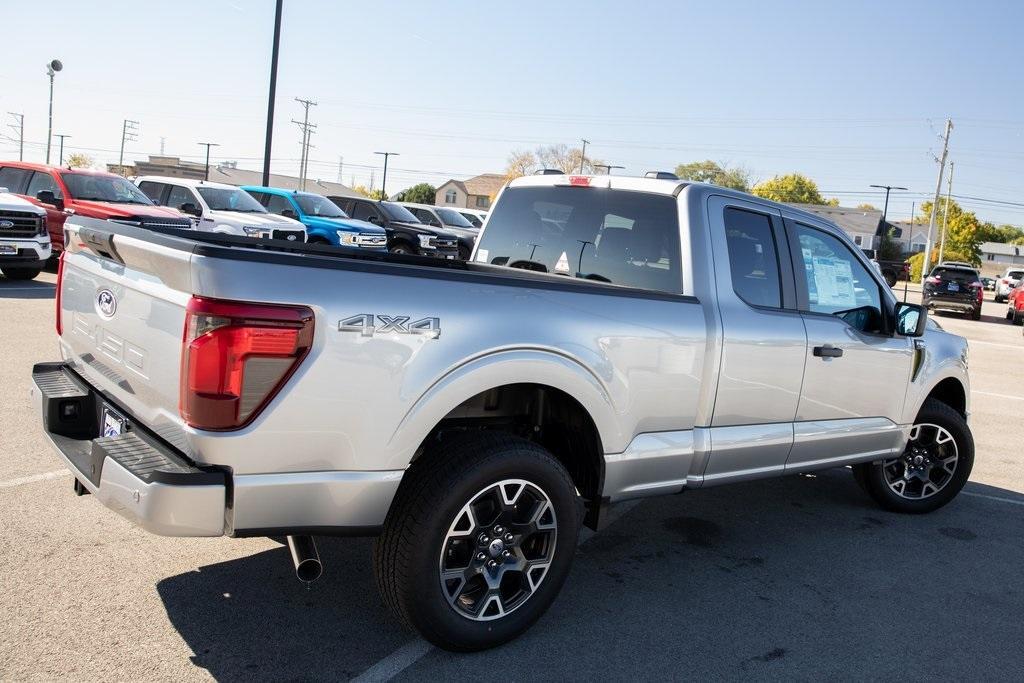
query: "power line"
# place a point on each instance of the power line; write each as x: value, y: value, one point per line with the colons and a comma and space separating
x: 307, y: 130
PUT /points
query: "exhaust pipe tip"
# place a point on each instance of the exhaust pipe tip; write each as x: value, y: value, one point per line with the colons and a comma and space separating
x: 305, y: 557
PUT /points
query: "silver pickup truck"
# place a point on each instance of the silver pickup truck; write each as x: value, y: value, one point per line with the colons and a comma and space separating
x: 611, y: 338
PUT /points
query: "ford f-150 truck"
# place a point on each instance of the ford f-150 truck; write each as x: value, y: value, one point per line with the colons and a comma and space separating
x: 325, y: 223
x: 24, y: 241
x: 612, y: 338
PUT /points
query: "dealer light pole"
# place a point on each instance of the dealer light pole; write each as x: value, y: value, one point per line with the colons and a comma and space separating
x: 607, y: 167
x: 208, y: 145
x: 60, y: 155
x: 52, y: 68
x: 887, y: 189
x: 384, y: 180
x: 583, y: 154
x: 272, y: 94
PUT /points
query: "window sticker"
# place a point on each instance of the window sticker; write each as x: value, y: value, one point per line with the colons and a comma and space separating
x: 833, y: 283
x: 481, y: 255
x: 562, y: 266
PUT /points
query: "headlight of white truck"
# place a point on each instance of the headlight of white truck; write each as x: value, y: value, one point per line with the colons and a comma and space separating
x: 253, y: 231
x: 426, y: 241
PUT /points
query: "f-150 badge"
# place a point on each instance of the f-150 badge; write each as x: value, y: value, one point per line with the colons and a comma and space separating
x: 367, y: 324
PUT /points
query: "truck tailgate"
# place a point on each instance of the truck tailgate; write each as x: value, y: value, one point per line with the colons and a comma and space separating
x: 122, y: 312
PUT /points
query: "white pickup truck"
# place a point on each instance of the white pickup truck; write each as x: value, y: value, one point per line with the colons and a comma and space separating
x: 611, y: 338
x: 24, y: 240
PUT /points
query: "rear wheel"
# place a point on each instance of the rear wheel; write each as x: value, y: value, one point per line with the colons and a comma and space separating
x: 976, y: 313
x: 999, y: 299
x: 1015, y: 317
x: 21, y: 273
x: 478, y: 541
x: 933, y: 468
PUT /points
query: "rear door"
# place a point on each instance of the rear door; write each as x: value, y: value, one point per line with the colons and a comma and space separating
x: 856, y: 372
x: 763, y: 342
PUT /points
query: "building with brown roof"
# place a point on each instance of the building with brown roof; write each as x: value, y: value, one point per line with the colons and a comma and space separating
x: 475, y: 193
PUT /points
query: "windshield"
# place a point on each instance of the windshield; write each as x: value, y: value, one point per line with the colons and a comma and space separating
x: 104, y: 188
x: 397, y: 212
x: 224, y: 199
x: 315, y: 205
x: 454, y: 218
x: 626, y: 238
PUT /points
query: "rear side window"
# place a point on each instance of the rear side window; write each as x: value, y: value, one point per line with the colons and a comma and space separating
x: 753, y: 258
x: 617, y: 236
x: 14, y: 179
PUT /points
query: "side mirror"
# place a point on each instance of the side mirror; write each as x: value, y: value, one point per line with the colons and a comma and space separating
x: 191, y: 209
x: 290, y: 213
x: 373, y: 219
x: 911, y: 319
x: 47, y: 197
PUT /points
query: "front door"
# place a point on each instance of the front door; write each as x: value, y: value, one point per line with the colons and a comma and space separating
x: 856, y: 370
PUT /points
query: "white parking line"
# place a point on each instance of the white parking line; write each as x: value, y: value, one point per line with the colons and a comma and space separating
x: 11, y: 483
x: 1011, y: 501
x: 989, y: 393
x: 972, y: 342
x: 410, y: 653
x: 26, y: 289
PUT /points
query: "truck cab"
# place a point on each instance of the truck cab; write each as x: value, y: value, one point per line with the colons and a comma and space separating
x: 325, y: 223
x: 220, y: 208
x: 63, y: 192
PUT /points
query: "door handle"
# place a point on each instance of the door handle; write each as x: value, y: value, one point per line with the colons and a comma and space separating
x: 828, y: 351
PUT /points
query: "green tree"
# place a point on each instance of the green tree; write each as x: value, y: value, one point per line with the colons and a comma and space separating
x: 793, y: 188
x: 987, y: 232
x: 372, y: 194
x: 888, y: 248
x: 708, y: 171
x: 867, y: 207
x: 79, y: 160
x: 963, y: 232
x: 423, y: 193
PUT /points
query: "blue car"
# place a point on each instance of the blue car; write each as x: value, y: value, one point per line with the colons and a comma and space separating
x: 325, y: 222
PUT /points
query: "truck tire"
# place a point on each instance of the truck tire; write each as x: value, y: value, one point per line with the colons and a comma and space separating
x: 478, y: 541
x: 932, y: 469
x: 21, y: 273
x: 1015, y: 317
x: 890, y: 279
x: 999, y: 299
x: 402, y: 248
x: 976, y: 313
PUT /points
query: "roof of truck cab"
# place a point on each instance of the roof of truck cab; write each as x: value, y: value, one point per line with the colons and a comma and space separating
x: 186, y: 182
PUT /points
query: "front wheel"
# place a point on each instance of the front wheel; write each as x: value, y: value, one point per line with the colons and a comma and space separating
x: 999, y: 299
x: 478, y: 541
x: 21, y: 273
x: 401, y: 248
x: 933, y: 468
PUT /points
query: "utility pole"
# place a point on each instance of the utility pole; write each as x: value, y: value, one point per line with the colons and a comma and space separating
x: 51, y: 68
x: 926, y: 266
x: 910, y: 242
x: 887, y: 188
x: 19, y: 128
x: 945, y: 214
x: 583, y: 154
x: 384, y: 181
x: 208, y: 145
x: 128, y: 132
x: 60, y: 155
x: 307, y: 130
x: 341, y: 167
x: 607, y: 168
x: 272, y: 94
x: 163, y: 140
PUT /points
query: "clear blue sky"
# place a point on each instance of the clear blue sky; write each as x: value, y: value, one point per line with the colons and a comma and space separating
x: 847, y: 93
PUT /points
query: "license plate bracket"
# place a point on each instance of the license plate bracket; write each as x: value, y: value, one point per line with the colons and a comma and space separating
x: 953, y: 287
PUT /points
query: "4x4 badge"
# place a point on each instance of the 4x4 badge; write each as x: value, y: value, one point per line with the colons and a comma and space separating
x: 366, y: 324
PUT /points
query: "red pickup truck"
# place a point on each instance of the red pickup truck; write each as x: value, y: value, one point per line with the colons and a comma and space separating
x: 93, y: 194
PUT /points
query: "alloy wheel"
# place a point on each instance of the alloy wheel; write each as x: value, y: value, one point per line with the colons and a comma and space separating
x: 927, y: 465
x: 498, y: 550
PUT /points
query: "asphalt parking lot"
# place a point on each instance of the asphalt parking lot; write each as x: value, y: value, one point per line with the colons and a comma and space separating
x: 797, y: 578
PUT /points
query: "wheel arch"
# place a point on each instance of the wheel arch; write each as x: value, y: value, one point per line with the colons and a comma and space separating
x: 952, y: 392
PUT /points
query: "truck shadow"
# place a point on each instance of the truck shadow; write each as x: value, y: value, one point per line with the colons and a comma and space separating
x: 801, y: 577
x: 25, y: 289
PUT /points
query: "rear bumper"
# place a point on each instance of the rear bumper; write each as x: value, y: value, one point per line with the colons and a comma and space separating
x: 141, y: 478
x: 939, y: 303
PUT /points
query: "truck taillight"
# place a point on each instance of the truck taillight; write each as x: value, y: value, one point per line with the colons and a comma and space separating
x: 236, y: 356
x: 60, y: 279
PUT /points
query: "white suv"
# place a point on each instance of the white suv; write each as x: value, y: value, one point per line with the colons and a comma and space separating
x: 24, y: 241
x: 1010, y: 279
x: 216, y: 207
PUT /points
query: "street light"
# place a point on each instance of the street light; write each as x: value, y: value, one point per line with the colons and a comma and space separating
x: 53, y: 67
x: 61, y: 154
x: 384, y: 181
x: 208, y: 145
x: 887, y: 188
x: 607, y: 167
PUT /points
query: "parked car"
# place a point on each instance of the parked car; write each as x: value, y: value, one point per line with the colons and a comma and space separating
x: 988, y: 283
x: 1010, y: 279
x: 892, y: 271
x: 672, y: 337
x: 954, y: 288
x: 220, y: 208
x: 450, y: 220
x: 94, y: 194
x: 1015, y: 304
x: 325, y: 222
x: 406, y: 234
x: 24, y: 240
x: 474, y: 216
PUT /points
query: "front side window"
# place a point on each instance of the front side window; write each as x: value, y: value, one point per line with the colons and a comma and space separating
x: 397, y: 212
x: 230, y: 199
x: 837, y: 283
x: 104, y: 188
x: 753, y: 258
x: 454, y: 219
x: 449, y: 197
x: 363, y: 211
x: 617, y: 236
x: 152, y: 190
x: 180, y: 196
x: 278, y: 204
x: 316, y: 205
x: 43, y: 182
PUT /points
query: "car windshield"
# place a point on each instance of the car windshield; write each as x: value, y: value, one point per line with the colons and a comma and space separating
x: 397, y: 212
x: 104, y: 188
x: 626, y: 238
x: 315, y: 205
x: 454, y: 218
x: 225, y: 199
